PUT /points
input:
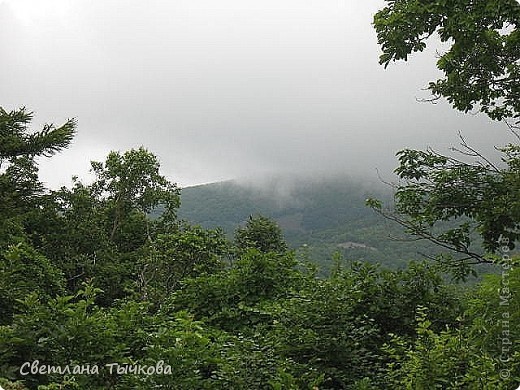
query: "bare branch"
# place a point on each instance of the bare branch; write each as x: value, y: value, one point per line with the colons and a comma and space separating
x: 472, y: 152
x: 432, y: 100
x: 422, y: 234
x: 512, y: 128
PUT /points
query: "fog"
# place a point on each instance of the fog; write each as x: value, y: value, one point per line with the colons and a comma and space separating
x: 222, y: 90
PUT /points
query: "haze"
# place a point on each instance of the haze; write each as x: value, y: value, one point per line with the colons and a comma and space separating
x: 226, y: 89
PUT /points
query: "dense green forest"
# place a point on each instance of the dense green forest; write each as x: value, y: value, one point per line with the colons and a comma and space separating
x: 106, y: 285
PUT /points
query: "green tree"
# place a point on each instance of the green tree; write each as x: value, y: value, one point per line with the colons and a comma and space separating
x: 20, y: 189
x: 462, y: 206
x: 337, y: 326
x: 170, y: 258
x: 230, y: 299
x: 131, y: 182
x: 101, y: 230
x: 23, y: 267
x: 74, y: 330
x: 448, y: 359
x: 17, y: 141
x: 127, y: 188
x: 478, y: 351
x: 466, y: 202
x: 482, y: 63
x: 25, y: 271
x: 71, y: 231
x: 260, y: 233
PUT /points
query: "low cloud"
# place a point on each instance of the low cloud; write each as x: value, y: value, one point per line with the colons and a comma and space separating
x: 226, y: 89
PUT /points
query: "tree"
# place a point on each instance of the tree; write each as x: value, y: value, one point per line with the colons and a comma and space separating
x: 459, y: 205
x: 172, y: 257
x: 101, y: 230
x: 338, y: 325
x: 231, y: 298
x: 448, y: 359
x: 20, y: 190
x: 478, y: 352
x: 16, y: 141
x: 452, y: 200
x: 131, y: 182
x: 25, y: 271
x: 23, y: 268
x: 261, y: 233
x: 482, y: 65
x: 73, y: 231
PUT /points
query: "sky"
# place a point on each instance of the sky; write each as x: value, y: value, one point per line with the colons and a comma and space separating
x: 224, y: 89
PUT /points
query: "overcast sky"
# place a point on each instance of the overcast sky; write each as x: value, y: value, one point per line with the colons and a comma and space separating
x: 223, y: 89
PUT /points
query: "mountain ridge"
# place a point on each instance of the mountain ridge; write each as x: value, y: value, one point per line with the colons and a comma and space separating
x: 324, y: 216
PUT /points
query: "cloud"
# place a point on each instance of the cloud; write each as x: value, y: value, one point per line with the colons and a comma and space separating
x: 222, y: 89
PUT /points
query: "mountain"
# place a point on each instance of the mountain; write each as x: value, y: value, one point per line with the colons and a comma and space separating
x: 319, y: 217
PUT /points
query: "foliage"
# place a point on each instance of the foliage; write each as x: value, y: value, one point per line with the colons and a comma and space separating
x: 480, y: 351
x: 172, y: 257
x: 8, y: 385
x: 494, y: 309
x: 339, y: 325
x: 68, y: 330
x: 441, y: 198
x: 61, y: 330
x: 446, y: 360
x: 101, y: 230
x: 15, y: 141
x: 260, y: 233
x: 232, y: 299
x: 459, y: 205
x: 481, y: 65
x: 132, y: 182
x: 20, y: 190
x: 25, y: 271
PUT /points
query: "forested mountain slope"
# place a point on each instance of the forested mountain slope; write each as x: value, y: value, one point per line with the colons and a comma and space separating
x: 325, y: 216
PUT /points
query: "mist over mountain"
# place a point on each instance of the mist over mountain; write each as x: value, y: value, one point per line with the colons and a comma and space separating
x: 322, y: 216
